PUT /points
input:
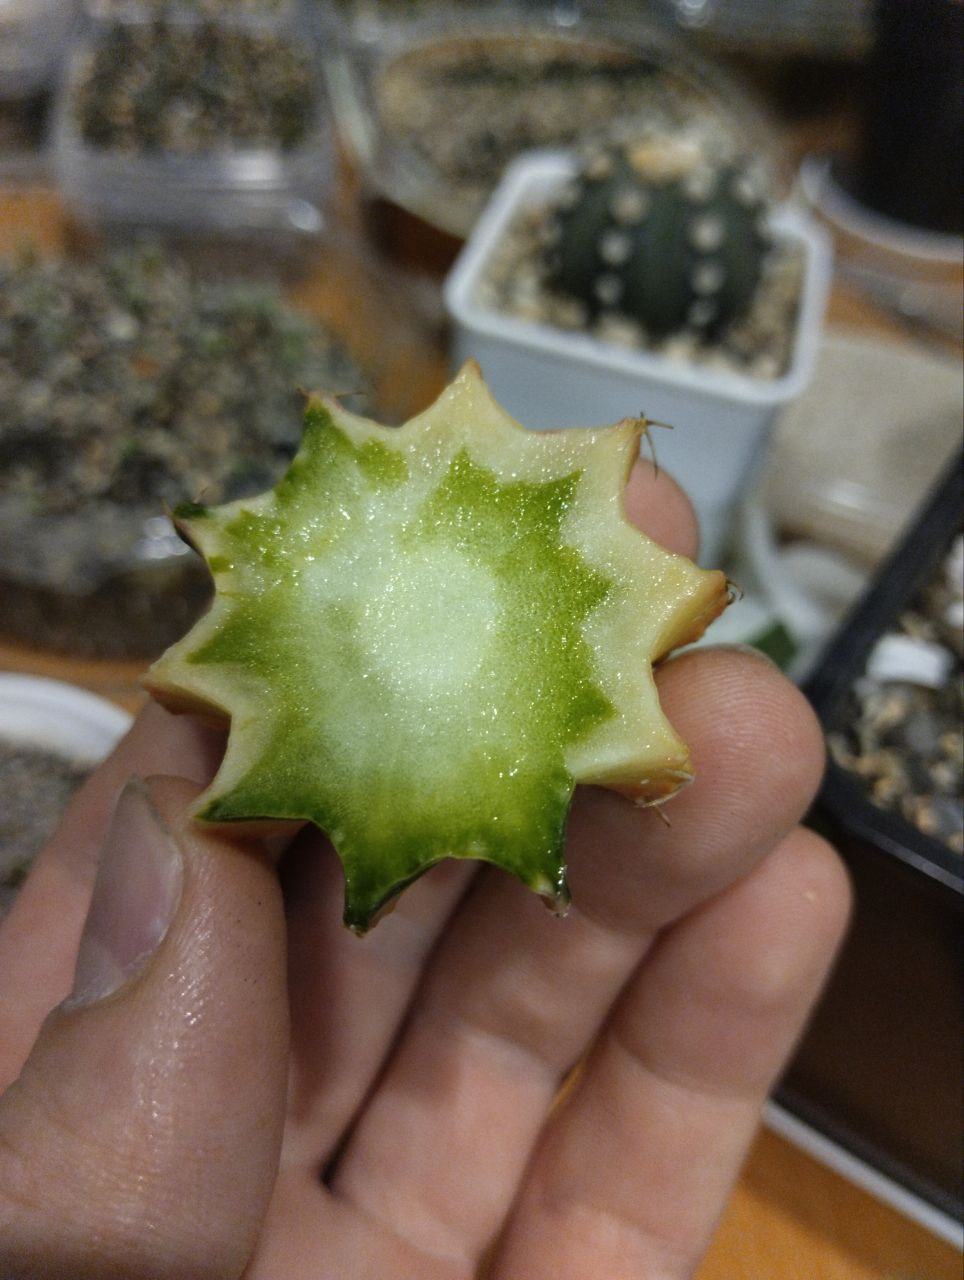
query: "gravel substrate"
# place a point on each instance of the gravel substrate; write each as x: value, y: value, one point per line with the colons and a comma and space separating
x: 35, y: 788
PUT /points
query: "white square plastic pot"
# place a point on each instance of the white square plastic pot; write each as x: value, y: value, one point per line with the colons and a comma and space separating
x: 550, y: 378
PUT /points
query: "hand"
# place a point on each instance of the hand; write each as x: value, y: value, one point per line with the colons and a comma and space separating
x: 238, y: 1086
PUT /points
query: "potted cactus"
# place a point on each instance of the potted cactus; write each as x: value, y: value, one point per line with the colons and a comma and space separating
x: 651, y: 274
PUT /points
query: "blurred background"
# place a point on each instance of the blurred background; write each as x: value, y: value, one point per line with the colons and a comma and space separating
x: 738, y: 217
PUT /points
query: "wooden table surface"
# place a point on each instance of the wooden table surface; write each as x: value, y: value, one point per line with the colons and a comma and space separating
x: 790, y: 1218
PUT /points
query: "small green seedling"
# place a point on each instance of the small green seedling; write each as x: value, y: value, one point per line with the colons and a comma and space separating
x: 424, y: 637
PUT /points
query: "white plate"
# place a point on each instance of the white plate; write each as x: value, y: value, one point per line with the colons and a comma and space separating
x: 56, y: 716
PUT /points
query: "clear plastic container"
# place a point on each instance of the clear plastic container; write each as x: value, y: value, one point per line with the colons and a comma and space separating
x: 109, y: 582
x: 850, y: 462
x: 434, y: 101
x: 145, y: 10
x: 267, y: 191
x: 916, y: 274
x: 111, y: 578
x: 34, y: 37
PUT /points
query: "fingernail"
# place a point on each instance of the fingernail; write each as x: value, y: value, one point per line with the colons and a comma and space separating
x: 135, y: 894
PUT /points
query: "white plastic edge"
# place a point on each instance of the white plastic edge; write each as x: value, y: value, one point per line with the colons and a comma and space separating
x: 60, y: 717
x: 823, y: 193
x: 534, y: 174
x: 780, y: 1121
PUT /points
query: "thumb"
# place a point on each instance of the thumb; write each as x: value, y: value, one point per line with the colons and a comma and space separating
x: 142, y: 1137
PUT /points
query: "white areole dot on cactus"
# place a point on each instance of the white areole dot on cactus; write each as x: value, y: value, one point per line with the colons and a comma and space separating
x: 424, y: 637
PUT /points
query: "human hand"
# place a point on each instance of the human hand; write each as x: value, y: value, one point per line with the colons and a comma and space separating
x: 238, y: 1086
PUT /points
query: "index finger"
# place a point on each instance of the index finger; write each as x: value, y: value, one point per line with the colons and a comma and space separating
x: 656, y: 504
x: 633, y: 1171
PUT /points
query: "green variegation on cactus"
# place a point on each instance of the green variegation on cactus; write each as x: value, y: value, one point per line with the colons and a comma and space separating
x: 424, y: 637
x: 669, y: 228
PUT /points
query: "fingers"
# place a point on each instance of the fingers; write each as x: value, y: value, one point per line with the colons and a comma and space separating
x: 512, y: 996
x: 349, y: 995
x: 38, y: 940
x: 633, y: 1171
x: 141, y: 1139
x: 758, y: 756
x: 311, y: 1235
x: 658, y: 506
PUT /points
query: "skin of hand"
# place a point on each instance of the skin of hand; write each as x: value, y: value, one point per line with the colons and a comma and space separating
x: 212, y: 1078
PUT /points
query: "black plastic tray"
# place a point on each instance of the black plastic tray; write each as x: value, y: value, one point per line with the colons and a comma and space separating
x: 881, y: 1068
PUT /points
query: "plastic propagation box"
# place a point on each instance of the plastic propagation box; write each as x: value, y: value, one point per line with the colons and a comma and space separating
x: 34, y: 35
x: 880, y: 1070
x: 269, y: 192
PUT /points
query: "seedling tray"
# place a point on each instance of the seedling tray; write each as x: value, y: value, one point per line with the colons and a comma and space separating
x: 880, y: 1069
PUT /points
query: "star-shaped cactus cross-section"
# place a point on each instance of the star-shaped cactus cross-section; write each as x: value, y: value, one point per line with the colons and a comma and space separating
x: 423, y: 637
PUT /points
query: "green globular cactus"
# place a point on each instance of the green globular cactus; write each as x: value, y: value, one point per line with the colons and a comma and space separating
x: 669, y: 229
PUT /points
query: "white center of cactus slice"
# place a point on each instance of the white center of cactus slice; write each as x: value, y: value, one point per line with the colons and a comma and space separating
x: 430, y: 622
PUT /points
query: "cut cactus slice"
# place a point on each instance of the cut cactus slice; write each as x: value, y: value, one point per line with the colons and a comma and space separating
x: 423, y: 637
